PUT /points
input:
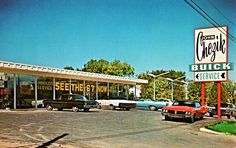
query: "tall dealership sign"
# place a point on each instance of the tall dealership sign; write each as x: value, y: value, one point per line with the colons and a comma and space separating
x: 211, y: 58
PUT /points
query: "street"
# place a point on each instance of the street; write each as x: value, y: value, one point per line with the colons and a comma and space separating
x: 104, y: 128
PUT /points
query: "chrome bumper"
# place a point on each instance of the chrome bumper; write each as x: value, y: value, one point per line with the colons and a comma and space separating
x: 176, y: 115
x: 90, y: 106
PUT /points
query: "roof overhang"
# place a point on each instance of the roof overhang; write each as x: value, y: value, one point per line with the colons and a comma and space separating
x: 18, y: 68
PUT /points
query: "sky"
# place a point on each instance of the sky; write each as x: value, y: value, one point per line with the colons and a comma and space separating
x: 149, y: 35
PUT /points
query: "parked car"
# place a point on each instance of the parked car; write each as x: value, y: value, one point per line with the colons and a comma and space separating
x: 225, y: 110
x: 39, y: 103
x: 186, y: 109
x: 116, y: 102
x: 70, y: 101
x: 233, y: 111
x: 152, y: 104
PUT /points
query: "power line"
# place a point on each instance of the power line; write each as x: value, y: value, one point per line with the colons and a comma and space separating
x: 221, y: 13
x: 210, y: 21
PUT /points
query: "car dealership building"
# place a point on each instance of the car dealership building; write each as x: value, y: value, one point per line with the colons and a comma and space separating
x: 20, y: 84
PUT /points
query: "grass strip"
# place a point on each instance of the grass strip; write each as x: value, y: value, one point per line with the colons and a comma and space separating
x: 227, y: 127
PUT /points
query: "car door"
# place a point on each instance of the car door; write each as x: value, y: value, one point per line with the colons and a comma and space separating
x: 199, y: 110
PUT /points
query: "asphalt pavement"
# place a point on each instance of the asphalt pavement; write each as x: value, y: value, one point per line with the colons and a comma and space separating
x: 103, y: 129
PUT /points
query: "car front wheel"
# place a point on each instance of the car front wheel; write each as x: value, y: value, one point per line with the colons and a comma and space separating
x: 75, y: 109
x: 49, y: 107
x: 192, y: 119
x: 86, y: 109
x: 112, y: 107
x: 211, y: 115
x: 167, y: 118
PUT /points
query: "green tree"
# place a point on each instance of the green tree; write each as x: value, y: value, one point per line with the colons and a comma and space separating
x: 194, y: 91
x: 227, y: 92
x: 112, y: 68
x: 163, y: 86
x: 69, y: 68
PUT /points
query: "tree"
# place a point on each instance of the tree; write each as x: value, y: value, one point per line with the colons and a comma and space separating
x: 69, y: 68
x: 112, y: 68
x: 227, y: 92
x: 163, y: 86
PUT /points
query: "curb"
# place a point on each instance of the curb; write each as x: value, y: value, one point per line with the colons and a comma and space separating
x: 203, y: 129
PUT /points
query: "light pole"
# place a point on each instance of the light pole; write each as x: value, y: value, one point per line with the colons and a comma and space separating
x: 172, y: 85
x: 154, y: 80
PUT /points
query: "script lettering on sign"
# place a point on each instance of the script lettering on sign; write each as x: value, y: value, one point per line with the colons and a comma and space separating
x: 211, y: 45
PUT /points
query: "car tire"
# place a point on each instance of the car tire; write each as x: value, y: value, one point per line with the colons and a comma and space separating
x: 75, y: 109
x: 60, y: 109
x: 127, y: 109
x: 167, y: 118
x: 201, y: 117
x: 192, y: 119
x: 86, y: 109
x: 112, y: 107
x: 49, y: 107
x: 152, y: 108
x: 99, y: 107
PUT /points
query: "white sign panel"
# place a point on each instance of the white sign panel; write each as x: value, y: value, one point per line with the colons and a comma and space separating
x: 211, y: 45
x: 210, y: 76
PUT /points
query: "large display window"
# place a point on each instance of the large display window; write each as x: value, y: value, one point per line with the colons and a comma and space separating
x: 77, y: 87
x: 45, y: 88
x: 62, y: 86
x: 25, y: 93
x: 90, y: 90
x: 6, y: 90
x: 102, y: 90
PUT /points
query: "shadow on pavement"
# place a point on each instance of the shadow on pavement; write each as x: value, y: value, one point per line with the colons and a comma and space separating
x: 52, y: 141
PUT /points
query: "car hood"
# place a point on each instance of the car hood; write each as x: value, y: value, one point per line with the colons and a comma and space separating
x: 179, y: 108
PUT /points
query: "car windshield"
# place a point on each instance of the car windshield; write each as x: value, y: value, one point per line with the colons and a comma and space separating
x: 184, y: 103
x: 80, y: 97
x: 163, y: 100
x: 118, y: 98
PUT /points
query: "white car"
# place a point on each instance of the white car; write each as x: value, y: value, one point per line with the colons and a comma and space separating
x: 39, y: 103
x: 118, y: 102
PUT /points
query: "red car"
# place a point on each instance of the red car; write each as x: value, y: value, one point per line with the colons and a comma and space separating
x: 187, y: 109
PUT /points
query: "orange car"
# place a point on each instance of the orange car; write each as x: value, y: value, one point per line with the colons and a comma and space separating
x: 187, y: 109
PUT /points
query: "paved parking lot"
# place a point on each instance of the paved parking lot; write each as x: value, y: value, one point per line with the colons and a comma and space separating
x: 103, y: 128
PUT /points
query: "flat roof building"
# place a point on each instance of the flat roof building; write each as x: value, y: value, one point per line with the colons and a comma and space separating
x: 20, y: 84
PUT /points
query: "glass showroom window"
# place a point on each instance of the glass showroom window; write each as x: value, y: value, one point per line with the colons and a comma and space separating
x: 45, y: 88
x: 25, y: 90
x: 62, y: 86
x: 113, y: 90
x: 90, y: 90
x: 77, y: 87
x: 6, y: 90
x: 102, y: 90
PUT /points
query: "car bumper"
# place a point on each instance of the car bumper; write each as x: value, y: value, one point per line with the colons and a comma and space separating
x: 127, y: 105
x: 176, y: 115
x: 90, y: 106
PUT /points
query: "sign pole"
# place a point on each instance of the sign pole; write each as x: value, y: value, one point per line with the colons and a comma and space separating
x: 219, y: 100
x: 203, y: 93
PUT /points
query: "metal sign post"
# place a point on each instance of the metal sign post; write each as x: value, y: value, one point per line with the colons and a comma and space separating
x: 203, y: 93
x: 219, y: 100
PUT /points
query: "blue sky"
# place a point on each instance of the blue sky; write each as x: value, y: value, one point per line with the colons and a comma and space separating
x: 149, y: 35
